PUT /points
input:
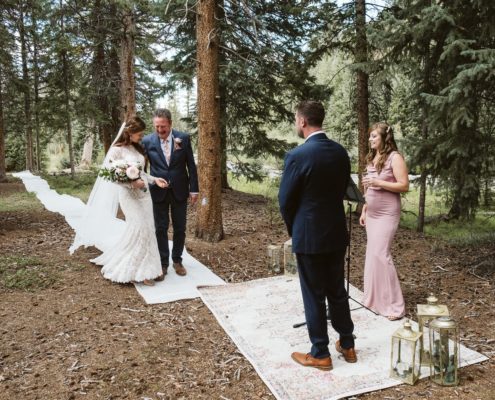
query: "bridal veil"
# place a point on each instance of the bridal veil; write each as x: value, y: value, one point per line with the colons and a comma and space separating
x: 98, y: 226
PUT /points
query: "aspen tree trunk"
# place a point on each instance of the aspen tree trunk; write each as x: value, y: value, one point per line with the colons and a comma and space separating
x: 361, y: 56
x: 27, y: 94
x: 128, y: 86
x: 3, y: 171
x: 87, y: 153
x: 209, y: 217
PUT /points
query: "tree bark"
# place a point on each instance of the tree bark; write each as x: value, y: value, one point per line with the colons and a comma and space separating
x: 223, y: 103
x: 87, y: 153
x: 362, y: 107
x: 36, y: 74
x: 209, y: 217
x: 420, y: 225
x: 3, y: 170
x: 66, y: 83
x: 27, y: 93
x: 128, y: 86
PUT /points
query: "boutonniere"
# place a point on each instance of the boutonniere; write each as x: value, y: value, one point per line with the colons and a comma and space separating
x: 177, y: 143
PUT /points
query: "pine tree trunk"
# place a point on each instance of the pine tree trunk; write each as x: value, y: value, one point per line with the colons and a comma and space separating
x: 209, y: 218
x: 36, y: 74
x: 361, y: 56
x: 27, y: 94
x: 65, y: 77
x: 128, y: 86
x: 422, y: 202
x: 100, y: 77
x: 424, y: 137
x: 112, y: 106
x: 3, y: 171
x: 223, y: 103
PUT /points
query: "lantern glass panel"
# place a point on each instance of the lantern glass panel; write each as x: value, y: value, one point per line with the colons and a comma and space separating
x: 444, y: 350
x: 405, y: 357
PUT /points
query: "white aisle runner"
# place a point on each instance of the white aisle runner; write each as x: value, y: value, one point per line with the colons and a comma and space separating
x: 258, y: 316
x: 173, y: 288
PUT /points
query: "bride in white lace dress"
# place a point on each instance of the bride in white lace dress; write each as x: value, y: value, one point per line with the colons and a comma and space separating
x: 135, y: 257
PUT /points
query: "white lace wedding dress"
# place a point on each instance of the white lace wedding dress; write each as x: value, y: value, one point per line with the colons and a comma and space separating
x: 135, y: 256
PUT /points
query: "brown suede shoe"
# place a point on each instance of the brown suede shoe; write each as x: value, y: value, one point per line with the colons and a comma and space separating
x: 179, y: 269
x: 349, y: 354
x: 307, y: 360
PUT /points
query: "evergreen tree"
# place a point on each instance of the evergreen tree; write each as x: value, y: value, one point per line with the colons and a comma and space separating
x: 453, y: 43
x: 264, y: 69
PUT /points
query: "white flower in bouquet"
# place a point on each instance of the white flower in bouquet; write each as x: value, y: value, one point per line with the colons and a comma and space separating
x: 133, y: 172
x: 123, y: 172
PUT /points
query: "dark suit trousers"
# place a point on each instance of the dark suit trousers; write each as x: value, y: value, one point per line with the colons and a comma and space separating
x: 161, y: 212
x: 322, y: 278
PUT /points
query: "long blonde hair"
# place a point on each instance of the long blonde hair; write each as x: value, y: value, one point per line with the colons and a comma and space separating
x: 388, y: 145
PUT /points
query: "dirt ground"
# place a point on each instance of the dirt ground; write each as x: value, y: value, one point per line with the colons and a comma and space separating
x: 79, y: 336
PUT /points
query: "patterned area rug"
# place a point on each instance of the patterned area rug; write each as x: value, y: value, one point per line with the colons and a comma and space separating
x: 259, y: 317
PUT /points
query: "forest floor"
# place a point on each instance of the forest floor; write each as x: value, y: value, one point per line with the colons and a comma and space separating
x: 67, y: 333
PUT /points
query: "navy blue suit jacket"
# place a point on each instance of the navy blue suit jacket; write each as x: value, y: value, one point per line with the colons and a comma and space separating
x: 181, y: 174
x: 311, y: 195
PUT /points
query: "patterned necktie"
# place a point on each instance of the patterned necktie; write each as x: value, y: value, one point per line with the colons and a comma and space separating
x: 167, y: 150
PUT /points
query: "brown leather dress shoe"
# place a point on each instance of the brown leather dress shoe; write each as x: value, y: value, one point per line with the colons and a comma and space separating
x: 179, y: 269
x: 349, y: 354
x: 307, y: 360
x: 162, y: 276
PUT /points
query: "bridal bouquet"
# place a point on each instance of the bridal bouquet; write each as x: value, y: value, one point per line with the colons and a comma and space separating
x: 122, y: 172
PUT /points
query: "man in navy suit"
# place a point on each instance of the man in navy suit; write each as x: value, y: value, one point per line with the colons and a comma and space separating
x: 171, y: 157
x: 311, y: 196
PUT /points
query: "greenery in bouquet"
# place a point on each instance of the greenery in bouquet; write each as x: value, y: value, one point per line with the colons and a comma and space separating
x: 121, y: 172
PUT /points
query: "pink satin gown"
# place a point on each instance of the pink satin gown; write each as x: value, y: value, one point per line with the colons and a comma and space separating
x: 382, y: 292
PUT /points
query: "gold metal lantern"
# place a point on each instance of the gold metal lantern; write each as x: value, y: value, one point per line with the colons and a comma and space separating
x: 426, y: 313
x: 405, y: 356
x: 444, y: 350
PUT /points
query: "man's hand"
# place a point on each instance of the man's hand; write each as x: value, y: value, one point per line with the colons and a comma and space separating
x: 138, y: 184
x: 193, y: 198
x: 161, y: 183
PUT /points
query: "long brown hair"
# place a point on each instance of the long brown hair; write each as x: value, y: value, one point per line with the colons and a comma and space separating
x: 388, y: 145
x: 132, y: 125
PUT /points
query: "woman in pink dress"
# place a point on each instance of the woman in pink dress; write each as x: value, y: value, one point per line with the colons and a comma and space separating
x: 386, y: 178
